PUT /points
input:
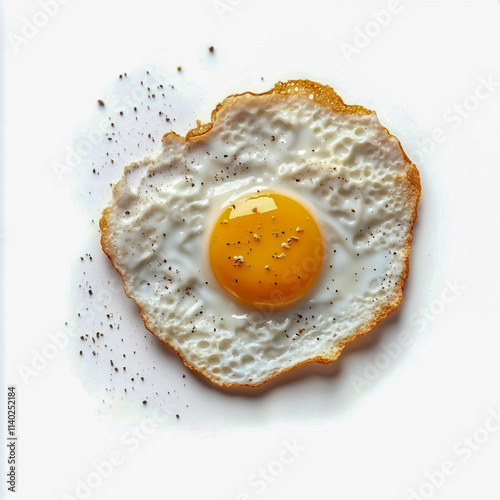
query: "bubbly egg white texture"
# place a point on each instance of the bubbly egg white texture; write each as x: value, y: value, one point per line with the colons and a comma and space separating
x: 353, y: 176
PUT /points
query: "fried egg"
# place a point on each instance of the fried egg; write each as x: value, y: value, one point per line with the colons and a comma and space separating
x: 268, y: 238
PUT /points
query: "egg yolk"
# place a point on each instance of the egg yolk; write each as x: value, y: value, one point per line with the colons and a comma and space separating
x: 266, y: 250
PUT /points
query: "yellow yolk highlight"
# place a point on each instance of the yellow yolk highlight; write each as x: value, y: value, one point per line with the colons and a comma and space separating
x: 266, y: 250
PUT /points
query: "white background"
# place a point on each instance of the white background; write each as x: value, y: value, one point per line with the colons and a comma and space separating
x: 380, y: 423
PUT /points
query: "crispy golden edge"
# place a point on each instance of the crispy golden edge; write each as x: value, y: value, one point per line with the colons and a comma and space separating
x: 328, y: 98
